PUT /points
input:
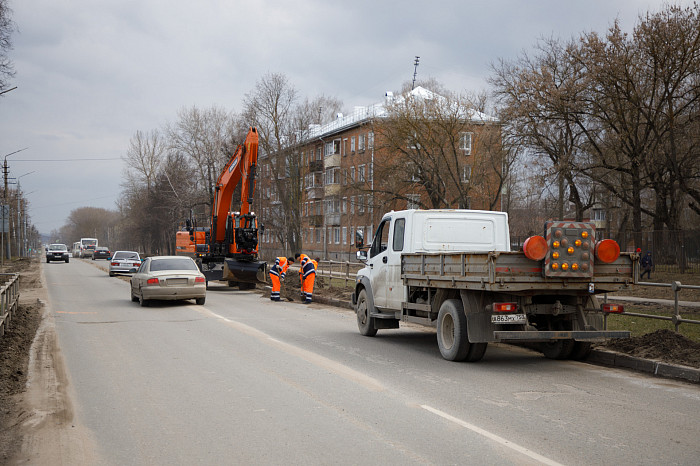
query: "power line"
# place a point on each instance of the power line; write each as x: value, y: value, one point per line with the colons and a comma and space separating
x: 65, y: 160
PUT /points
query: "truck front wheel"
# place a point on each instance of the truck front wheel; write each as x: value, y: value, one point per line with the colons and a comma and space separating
x: 364, y: 322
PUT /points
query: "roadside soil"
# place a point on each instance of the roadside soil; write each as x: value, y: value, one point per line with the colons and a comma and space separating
x: 15, y: 345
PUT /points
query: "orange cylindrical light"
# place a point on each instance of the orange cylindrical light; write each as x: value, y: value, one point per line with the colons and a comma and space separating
x: 607, y: 250
x: 535, y: 248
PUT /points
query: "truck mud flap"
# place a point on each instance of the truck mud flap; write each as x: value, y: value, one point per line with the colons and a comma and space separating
x: 244, y: 271
x: 580, y: 335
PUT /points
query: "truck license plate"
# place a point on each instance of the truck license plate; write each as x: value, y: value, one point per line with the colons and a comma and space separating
x: 508, y: 319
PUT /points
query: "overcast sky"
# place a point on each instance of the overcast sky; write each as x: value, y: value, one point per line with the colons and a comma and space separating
x: 90, y: 73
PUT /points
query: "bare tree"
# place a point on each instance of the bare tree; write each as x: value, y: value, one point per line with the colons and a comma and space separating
x: 539, y: 95
x: 283, y: 123
x: 7, y: 26
x: 437, y: 145
x: 203, y: 136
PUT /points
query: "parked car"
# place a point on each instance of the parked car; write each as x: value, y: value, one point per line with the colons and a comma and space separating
x: 169, y: 278
x: 124, y: 262
x: 101, y: 253
x: 57, y: 252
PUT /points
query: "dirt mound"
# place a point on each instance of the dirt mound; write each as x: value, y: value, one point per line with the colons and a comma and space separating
x: 664, y: 345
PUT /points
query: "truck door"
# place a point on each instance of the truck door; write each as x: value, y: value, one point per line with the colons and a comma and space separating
x: 394, y: 284
x: 378, y: 261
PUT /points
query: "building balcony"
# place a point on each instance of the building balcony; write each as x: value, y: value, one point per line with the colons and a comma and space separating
x: 315, y: 192
x: 332, y: 219
x: 331, y: 190
x: 316, y: 220
x: 316, y: 166
x: 332, y: 161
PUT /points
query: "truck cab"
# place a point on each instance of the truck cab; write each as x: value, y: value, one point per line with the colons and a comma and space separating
x: 430, y: 231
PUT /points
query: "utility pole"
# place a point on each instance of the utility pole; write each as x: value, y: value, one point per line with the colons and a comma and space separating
x: 415, y: 71
x: 5, y: 171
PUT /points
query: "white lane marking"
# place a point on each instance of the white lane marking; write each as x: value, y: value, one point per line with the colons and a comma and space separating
x: 313, y: 358
x: 498, y: 439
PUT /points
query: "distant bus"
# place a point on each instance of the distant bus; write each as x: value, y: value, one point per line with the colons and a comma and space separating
x: 87, y: 247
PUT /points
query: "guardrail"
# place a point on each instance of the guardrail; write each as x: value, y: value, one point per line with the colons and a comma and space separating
x: 346, y: 271
x: 676, y: 318
x: 342, y: 270
x: 9, y: 299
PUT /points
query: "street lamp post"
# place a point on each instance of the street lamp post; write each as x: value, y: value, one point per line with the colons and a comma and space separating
x: 18, y: 228
x: 3, y: 242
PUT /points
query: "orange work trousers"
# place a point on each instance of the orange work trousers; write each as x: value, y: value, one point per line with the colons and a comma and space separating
x: 276, y: 287
x: 307, y: 287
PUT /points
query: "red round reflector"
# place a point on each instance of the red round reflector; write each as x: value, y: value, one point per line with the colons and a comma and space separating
x: 607, y: 250
x: 535, y: 248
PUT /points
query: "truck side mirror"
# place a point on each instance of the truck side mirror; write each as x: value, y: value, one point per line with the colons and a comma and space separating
x: 359, y: 240
x: 188, y: 225
x: 361, y: 256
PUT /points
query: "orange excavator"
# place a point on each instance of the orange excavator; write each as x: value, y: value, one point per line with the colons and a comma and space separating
x: 229, y: 251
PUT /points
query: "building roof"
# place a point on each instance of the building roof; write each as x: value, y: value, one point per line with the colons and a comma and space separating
x: 379, y: 110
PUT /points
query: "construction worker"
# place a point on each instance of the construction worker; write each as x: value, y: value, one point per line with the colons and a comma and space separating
x: 308, y: 272
x: 277, y: 274
x: 300, y: 257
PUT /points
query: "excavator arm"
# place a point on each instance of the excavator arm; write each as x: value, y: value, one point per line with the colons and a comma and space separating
x: 241, y: 167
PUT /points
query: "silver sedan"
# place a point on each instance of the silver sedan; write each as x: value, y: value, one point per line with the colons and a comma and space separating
x: 169, y: 278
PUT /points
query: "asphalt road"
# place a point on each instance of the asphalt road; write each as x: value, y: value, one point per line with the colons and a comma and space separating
x: 242, y: 380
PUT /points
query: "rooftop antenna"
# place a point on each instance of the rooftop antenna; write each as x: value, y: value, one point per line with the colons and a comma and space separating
x: 415, y: 71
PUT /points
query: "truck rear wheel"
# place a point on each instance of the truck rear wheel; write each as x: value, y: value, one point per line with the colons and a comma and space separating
x: 364, y: 322
x: 558, y: 349
x: 452, y: 331
x: 581, y: 350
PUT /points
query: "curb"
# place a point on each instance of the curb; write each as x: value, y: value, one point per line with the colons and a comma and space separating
x: 597, y: 356
x: 648, y: 366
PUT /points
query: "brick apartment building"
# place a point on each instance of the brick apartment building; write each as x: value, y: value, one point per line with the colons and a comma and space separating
x: 341, y: 192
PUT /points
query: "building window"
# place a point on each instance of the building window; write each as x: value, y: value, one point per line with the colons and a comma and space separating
x: 330, y: 237
x: 344, y: 206
x: 352, y: 174
x: 361, y: 173
x: 370, y: 140
x: 352, y: 145
x: 413, y: 201
x: 361, y: 143
x: 311, y: 235
x: 352, y: 204
x: 360, y: 204
x: 336, y: 235
x: 465, y: 143
x: 344, y: 147
x: 598, y: 215
x: 345, y: 235
x: 371, y: 172
x: 466, y: 173
x: 318, y: 235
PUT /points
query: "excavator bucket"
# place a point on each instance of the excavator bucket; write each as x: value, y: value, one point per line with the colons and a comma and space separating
x: 244, y: 271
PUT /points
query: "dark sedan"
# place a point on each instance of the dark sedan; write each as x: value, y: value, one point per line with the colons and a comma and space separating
x: 101, y: 253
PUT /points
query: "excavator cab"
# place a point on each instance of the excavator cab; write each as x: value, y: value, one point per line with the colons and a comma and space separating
x: 245, y: 234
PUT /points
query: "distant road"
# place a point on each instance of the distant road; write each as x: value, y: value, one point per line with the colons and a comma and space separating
x: 242, y: 380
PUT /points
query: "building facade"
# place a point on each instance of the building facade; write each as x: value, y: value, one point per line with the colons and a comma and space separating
x: 341, y: 191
